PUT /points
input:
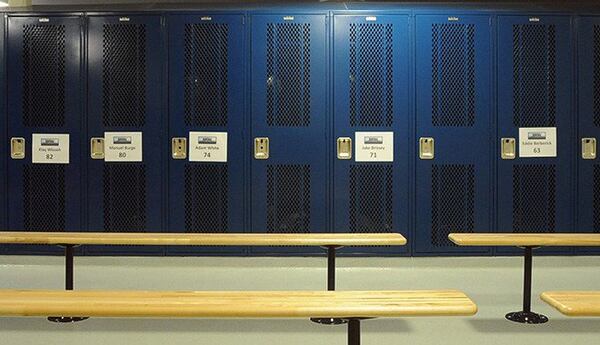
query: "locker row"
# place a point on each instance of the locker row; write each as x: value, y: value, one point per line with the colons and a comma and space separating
x: 308, y: 121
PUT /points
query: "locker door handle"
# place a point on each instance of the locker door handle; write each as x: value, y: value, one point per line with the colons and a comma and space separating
x: 426, y: 148
x: 97, y: 148
x: 179, y: 148
x: 508, y: 148
x: 261, y: 148
x: 344, y: 148
x: 588, y: 148
x: 17, y: 148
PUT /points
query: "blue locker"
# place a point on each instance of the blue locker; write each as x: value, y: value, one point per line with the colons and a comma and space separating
x: 289, y: 107
x: 206, y: 97
x: 588, y: 216
x: 125, y: 78
x: 453, y: 59
x: 44, y: 103
x: 535, y: 194
x: 3, y: 137
x: 371, y: 90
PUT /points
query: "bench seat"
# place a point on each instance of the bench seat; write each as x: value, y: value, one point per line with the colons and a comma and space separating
x: 236, y: 304
x: 205, y: 239
x: 574, y: 303
x: 525, y: 240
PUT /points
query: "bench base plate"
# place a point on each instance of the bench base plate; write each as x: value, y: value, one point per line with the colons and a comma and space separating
x: 526, y: 317
x: 66, y: 319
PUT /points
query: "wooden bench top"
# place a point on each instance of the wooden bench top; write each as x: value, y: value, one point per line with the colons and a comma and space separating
x: 574, y: 303
x: 232, y: 304
x: 213, y: 239
x: 525, y: 240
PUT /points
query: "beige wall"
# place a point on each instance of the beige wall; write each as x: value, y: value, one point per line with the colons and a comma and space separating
x: 19, y: 3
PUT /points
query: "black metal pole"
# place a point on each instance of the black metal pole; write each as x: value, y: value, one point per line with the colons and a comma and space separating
x: 68, y: 267
x: 354, y: 332
x: 331, y: 268
x: 527, y: 268
x: 68, y: 286
x: 526, y: 315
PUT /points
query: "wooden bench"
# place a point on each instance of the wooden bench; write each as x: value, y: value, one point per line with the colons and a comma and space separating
x: 331, y: 242
x: 349, y: 305
x: 574, y: 303
x: 528, y: 242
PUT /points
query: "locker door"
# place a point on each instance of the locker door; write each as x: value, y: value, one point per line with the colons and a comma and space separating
x: 289, y: 107
x: 452, y: 109
x: 371, y: 96
x: 206, y: 78
x: 534, y: 108
x: 588, y: 216
x: 125, y: 71
x: 44, y: 107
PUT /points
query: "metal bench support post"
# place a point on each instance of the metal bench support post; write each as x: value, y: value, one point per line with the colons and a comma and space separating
x: 354, y: 332
x: 330, y: 286
x: 526, y: 315
x: 68, y: 285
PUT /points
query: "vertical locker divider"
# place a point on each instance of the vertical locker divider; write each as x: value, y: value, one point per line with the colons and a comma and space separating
x: 494, y: 147
x: 164, y: 146
x: 84, y: 154
x: 3, y: 129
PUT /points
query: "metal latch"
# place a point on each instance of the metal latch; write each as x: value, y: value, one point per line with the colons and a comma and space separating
x: 17, y: 148
x: 344, y: 148
x: 588, y: 148
x: 509, y: 148
x: 426, y: 148
x: 261, y: 148
x: 179, y: 148
x: 97, y: 148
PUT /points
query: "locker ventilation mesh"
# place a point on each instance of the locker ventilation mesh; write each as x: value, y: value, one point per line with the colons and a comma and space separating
x: 44, y: 197
x: 288, y: 198
x: 596, y: 200
x: 44, y: 75
x: 371, y: 198
x: 206, y: 193
x: 453, y: 75
x: 206, y: 73
x: 288, y: 74
x: 371, y: 75
x: 124, y: 75
x: 453, y: 201
x: 597, y: 75
x: 534, y: 75
x: 534, y: 198
x: 125, y: 197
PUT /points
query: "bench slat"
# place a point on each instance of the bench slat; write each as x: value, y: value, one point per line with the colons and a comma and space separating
x: 233, y: 304
x: 574, y: 303
x: 525, y: 240
x: 216, y: 239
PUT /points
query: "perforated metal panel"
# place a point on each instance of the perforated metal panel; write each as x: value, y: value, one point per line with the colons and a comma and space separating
x: 453, y: 201
x: 206, y: 74
x: 453, y: 75
x: 44, y: 197
x: 534, y: 198
x: 288, y: 74
x: 371, y: 198
x: 125, y: 197
x: 124, y: 75
x: 534, y: 75
x: 371, y: 74
x: 43, y: 75
x: 206, y: 198
x: 596, y: 75
x: 288, y: 198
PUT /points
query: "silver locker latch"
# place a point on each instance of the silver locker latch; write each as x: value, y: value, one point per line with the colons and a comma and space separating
x: 508, y: 148
x: 426, y: 148
x: 261, y: 148
x: 179, y: 148
x: 588, y: 148
x: 344, y: 148
x: 97, y: 148
x: 17, y: 148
